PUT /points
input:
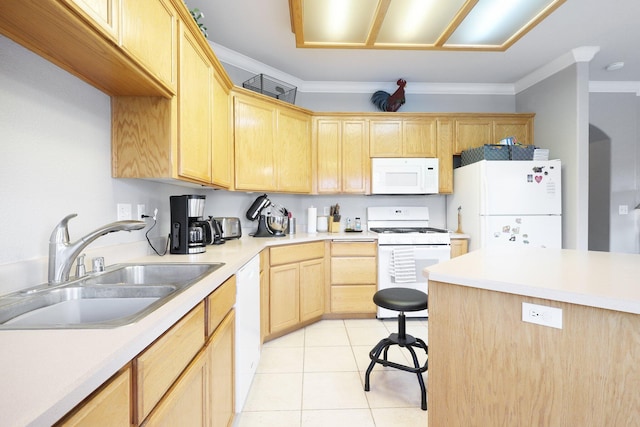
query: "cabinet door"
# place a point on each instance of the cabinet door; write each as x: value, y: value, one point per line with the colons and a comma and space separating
x: 328, y: 141
x: 292, y: 151
x: 185, y: 403
x: 445, y: 156
x: 419, y: 138
x: 343, y: 156
x: 355, y: 159
x: 521, y: 128
x: 472, y: 132
x: 221, y: 373
x: 148, y: 32
x: 385, y: 138
x: 459, y: 247
x: 222, y: 143
x: 108, y: 407
x: 311, y: 289
x: 194, y: 111
x: 103, y: 13
x: 284, y: 296
x: 255, y: 125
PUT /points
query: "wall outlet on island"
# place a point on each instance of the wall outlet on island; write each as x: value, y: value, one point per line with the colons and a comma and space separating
x: 542, y: 315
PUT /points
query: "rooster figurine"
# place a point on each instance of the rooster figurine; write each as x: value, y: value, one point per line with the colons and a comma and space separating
x: 391, y: 103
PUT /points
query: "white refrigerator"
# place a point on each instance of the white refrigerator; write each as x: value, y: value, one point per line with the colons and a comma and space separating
x: 503, y: 203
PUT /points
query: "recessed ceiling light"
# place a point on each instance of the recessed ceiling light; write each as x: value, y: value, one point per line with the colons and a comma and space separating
x: 490, y: 25
x: 614, y: 66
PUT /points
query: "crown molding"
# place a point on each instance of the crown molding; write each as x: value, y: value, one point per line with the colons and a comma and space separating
x: 615, y: 87
x: 581, y: 54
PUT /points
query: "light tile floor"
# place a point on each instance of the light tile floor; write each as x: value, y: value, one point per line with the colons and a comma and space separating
x: 314, y: 377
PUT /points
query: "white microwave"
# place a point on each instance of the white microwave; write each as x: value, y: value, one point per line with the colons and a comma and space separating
x: 404, y: 176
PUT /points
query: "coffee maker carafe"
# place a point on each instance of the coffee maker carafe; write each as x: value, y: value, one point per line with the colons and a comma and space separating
x: 188, y: 229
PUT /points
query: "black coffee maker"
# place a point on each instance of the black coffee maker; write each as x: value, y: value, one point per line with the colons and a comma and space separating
x: 188, y: 229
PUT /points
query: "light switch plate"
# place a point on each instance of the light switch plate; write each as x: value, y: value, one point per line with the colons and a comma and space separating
x: 542, y: 315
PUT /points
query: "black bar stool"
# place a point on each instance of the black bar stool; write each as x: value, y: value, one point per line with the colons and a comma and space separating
x: 400, y: 299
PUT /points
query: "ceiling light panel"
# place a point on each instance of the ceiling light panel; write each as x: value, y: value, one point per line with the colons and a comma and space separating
x: 494, y: 22
x: 338, y: 21
x: 418, y: 22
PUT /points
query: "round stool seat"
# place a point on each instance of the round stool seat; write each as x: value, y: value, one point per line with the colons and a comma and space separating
x: 401, y: 299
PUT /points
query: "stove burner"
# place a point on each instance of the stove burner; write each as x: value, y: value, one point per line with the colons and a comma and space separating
x: 392, y: 230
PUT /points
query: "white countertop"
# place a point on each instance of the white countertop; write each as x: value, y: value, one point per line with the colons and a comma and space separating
x: 597, y: 279
x: 45, y: 373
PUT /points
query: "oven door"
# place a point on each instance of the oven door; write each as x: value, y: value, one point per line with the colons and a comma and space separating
x: 424, y: 256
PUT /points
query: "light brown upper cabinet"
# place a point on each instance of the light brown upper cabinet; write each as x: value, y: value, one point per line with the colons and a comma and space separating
x: 272, y: 145
x: 84, y: 37
x: 343, y: 164
x: 445, y: 155
x: 148, y: 33
x: 195, y: 92
x: 403, y: 137
x: 474, y: 131
x: 104, y: 14
x: 185, y: 138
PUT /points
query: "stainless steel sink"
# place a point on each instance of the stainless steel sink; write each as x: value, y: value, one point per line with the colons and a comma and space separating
x: 120, y: 295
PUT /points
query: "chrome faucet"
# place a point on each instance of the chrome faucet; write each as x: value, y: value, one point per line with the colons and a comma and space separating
x: 62, y: 253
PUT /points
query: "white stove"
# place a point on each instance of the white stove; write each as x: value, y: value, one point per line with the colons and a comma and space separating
x: 406, y: 246
x: 405, y: 226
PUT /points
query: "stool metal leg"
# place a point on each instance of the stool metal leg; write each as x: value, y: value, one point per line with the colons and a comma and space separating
x: 403, y: 340
x: 423, y: 389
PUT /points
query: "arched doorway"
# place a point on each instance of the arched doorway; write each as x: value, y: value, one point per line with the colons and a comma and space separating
x: 599, y: 189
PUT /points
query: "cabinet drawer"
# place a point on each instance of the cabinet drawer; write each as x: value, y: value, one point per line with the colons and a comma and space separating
x: 353, y: 249
x: 353, y: 299
x: 110, y: 402
x: 295, y: 253
x: 353, y: 271
x: 219, y: 302
x: 163, y: 361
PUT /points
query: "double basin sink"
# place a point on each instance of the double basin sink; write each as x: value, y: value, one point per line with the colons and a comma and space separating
x: 120, y: 295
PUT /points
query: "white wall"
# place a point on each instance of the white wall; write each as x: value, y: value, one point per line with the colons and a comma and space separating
x: 56, y: 160
x: 558, y: 114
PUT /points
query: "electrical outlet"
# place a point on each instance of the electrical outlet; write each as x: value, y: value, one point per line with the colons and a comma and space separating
x: 141, y: 211
x: 542, y: 315
x: 623, y: 209
x: 124, y: 211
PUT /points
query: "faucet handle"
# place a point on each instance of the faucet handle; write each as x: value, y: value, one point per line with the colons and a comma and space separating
x: 60, y: 233
x: 81, y: 270
x: 98, y: 264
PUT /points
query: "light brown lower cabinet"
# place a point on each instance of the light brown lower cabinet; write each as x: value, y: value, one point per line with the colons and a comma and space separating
x: 354, y: 277
x: 296, y: 285
x: 182, y: 378
x: 203, y: 395
x: 109, y: 406
x: 459, y: 247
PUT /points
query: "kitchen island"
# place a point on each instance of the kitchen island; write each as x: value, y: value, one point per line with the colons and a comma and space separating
x: 46, y: 373
x: 489, y: 367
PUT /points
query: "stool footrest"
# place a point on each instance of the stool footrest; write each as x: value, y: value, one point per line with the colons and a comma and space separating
x: 408, y: 342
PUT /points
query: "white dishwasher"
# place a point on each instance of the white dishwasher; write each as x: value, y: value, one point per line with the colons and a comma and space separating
x: 247, y: 328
